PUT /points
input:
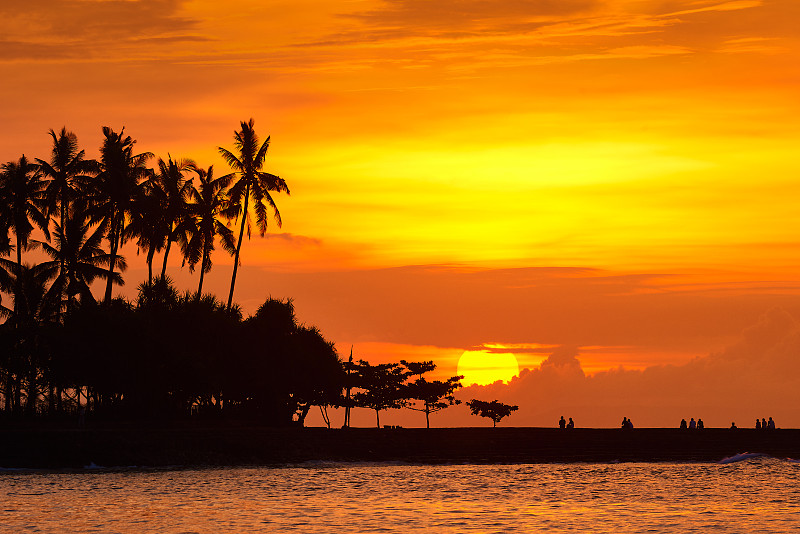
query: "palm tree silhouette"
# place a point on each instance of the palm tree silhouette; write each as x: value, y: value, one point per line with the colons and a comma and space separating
x: 32, y: 310
x: 22, y: 189
x: 115, y: 192
x: 77, y: 260
x: 251, y: 182
x: 176, y: 190
x: 206, y: 208
x: 68, y: 172
x: 162, y: 210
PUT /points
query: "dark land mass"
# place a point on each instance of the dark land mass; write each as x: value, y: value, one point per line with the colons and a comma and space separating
x: 236, y: 445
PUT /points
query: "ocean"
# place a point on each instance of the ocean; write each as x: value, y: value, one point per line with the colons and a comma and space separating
x: 745, y: 494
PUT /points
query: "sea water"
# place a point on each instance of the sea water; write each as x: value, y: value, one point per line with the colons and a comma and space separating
x: 746, y: 494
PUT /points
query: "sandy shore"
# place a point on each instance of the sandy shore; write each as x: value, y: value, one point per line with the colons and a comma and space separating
x: 250, y: 445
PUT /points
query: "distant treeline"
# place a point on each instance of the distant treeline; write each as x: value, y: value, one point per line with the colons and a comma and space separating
x: 174, y: 356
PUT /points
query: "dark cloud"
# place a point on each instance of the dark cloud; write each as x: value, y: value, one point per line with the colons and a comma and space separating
x: 295, y: 240
x: 758, y: 376
x: 451, y: 15
x: 53, y: 29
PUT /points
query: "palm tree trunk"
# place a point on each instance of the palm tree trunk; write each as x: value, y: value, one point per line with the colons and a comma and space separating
x: 166, y: 255
x: 378, y: 418
x: 63, y: 259
x: 151, y: 251
x: 202, y: 272
x: 113, y: 260
x: 427, y: 416
x: 17, y: 287
x: 239, y: 245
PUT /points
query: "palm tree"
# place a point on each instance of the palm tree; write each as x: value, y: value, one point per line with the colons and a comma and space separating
x: 77, y: 260
x: 251, y: 182
x: 145, y: 222
x: 32, y: 311
x: 66, y: 169
x: 68, y: 173
x: 162, y: 213
x: 176, y: 190
x: 22, y: 188
x: 115, y: 192
x: 206, y: 208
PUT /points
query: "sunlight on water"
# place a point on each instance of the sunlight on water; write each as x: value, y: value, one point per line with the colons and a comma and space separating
x: 755, y: 495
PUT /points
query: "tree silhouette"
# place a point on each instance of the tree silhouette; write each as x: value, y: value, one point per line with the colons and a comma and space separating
x: 494, y: 410
x: 205, y: 210
x: 32, y: 312
x: 250, y: 182
x: 381, y: 387
x: 174, y: 189
x: 22, y: 189
x: 435, y: 395
x: 115, y: 192
x: 68, y: 173
x: 77, y: 260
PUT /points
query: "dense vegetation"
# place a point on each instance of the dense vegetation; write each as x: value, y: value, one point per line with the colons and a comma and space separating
x: 65, y: 353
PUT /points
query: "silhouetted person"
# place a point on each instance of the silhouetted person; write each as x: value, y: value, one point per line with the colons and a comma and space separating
x: 571, y: 424
x: 683, y: 424
x: 763, y: 424
x: 771, y: 424
x: 562, y: 423
x: 758, y: 424
x: 624, y: 423
x: 692, y: 424
x: 733, y: 426
x: 700, y: 425
x: 630, y: 425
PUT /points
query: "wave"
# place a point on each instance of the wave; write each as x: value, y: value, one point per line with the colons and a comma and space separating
x: 742, y: 456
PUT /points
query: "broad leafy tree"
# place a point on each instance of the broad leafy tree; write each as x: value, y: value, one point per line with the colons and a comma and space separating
x: 494, y: 410
x: 381, y: 387
x: 432, y: 395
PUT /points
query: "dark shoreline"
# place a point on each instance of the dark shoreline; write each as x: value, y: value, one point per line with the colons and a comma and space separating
x: 238, y: 445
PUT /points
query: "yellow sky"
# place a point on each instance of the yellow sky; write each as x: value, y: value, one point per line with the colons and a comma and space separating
x: 647, y: 141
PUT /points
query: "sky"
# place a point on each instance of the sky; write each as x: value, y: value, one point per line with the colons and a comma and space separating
x: 604, y: 189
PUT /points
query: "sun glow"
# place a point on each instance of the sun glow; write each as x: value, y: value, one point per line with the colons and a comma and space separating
x: 483, y: 367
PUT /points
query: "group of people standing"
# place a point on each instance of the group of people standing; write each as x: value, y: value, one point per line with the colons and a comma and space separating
x: 562, y: 423
x: 693, y: 424
x: 764, y: 424
x: 627, y: 424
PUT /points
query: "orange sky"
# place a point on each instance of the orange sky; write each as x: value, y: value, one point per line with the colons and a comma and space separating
x: 618, y: 176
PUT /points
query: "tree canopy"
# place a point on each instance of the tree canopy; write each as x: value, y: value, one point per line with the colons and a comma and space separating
x: 494, y: 410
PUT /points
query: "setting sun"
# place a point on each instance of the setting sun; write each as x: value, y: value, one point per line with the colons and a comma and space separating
x: 483, y: 367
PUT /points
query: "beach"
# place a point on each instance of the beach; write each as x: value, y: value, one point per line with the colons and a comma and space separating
x: 238, y: 445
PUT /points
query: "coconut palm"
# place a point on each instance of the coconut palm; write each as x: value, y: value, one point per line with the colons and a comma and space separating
x: 22, y: 188
x: 114, y: 192
x: 250, y: 182
x: 32, y: 310
x: 145, y: 222
x: 208, y: 201
x: 77, y: 260
x: 161, y: 216
x: 67, y: 169
x: 176, y: 190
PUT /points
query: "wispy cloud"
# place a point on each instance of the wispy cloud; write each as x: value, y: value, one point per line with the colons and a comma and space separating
x: 85, y: 29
